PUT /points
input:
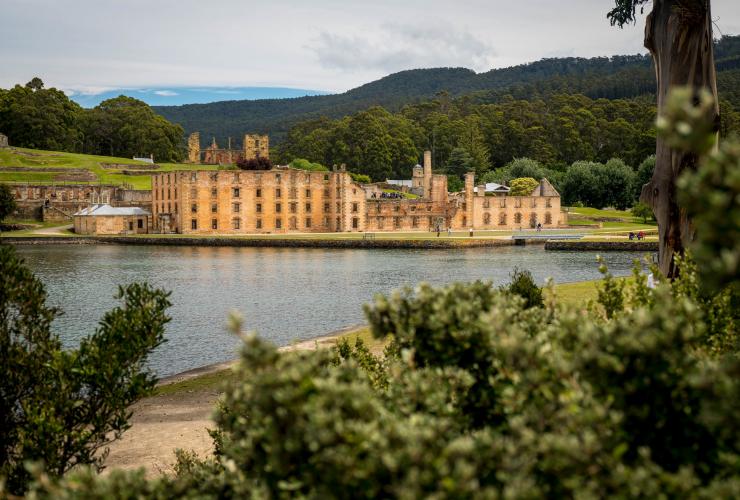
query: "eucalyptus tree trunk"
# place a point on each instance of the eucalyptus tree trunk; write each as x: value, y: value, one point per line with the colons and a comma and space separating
x: 678, y: 34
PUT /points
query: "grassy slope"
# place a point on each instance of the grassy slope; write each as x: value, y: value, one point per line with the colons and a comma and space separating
x: 38, y: 159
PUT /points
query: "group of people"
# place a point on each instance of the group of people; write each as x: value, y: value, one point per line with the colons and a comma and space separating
x: 639, y: 235
x: 391, y: 195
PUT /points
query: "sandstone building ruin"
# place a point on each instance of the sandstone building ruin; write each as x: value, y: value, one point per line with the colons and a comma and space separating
x: 48, y: 202
x: 284, y: 200
x: 253, y: 146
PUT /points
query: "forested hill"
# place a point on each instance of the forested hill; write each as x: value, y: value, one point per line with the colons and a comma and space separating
x: 607, y: 77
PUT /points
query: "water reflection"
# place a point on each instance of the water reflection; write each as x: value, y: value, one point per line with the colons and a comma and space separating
x: 284, y: 294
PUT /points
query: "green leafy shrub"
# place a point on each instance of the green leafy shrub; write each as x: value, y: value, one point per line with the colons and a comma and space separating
x: 303, y: 164
x: 61, y: 407
x: 642, y: 211
x: 7, y: 201
x: 361, y: 178
x: 522, y: 284
x: 522, y: 186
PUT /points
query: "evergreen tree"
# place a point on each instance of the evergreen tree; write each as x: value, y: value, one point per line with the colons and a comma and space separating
x: 459, y: 163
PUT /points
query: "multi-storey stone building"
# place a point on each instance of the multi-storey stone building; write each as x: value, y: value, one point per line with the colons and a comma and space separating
x: 290, y: 200
x: 268, y: 201
x: 253, y: 146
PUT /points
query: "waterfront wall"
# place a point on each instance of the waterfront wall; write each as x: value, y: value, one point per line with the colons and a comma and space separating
x: 603, y: 246
x: 257, y: 242
x: 585, y: 246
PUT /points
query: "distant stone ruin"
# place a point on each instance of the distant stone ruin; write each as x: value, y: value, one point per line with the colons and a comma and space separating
x: 253, y: 146
x: 3, y: 141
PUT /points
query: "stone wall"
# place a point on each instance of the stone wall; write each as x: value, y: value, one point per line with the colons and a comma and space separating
x: 3, y: 141
x: 194, y: 148
x: 603, y: 246
x: 60, y: 202
x: 256, y: 146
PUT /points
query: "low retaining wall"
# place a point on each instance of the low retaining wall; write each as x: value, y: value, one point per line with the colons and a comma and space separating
x: 47, y: 240
x: 255, y: 242
x: 603, y: 246
x: 304, y: 243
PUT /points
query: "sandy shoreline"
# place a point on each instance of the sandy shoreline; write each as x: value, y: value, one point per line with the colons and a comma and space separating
x: 181, y: 417
x: 299, y: 345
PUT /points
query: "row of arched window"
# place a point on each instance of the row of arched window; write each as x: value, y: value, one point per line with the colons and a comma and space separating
x: 518, y: 217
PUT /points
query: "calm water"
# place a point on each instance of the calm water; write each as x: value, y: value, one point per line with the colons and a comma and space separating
x: 284, y: 294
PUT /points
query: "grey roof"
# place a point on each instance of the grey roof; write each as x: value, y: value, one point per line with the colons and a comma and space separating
x: 105, y: 209
x: 398, y: 182
x: 492, y: 187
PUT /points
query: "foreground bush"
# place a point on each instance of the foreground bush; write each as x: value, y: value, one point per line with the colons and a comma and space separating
x: 477, y: 396
x: 59, y: 408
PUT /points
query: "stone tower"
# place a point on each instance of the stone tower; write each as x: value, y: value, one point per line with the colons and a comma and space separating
x: 427, y: 174
x: 417, y: 179
x: 469, y: 193
x: 256, y: 146
x: 194, y: 148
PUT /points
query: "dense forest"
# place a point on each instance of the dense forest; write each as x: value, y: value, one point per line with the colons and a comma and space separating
x: 617, y: 77
x: 36, y: 117
x: 594, y: 151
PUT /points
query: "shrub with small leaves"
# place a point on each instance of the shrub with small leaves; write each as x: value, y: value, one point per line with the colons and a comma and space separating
x: 61, y: 407
x: 522, y: 284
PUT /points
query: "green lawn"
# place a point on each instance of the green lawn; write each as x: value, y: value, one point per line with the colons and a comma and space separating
x: 595, y: 212
x: 576, y: 293
x: 585, y: 216
x: 38, y: 159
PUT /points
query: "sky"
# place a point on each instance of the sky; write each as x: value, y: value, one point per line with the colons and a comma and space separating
x: 93, y: 46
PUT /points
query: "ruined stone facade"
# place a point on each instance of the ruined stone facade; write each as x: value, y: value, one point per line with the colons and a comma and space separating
x: 59, y: 203
x: 284, y: 200
x: 253, y: 146
x: 3, y: 141
x: 194, y: 148
x: 479, y: 211
x: 256, y: 146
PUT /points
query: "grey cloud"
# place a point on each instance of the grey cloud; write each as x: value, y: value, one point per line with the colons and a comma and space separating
x: 398, y: 47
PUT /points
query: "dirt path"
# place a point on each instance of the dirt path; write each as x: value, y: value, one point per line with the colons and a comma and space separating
x: 54, y: 231
x: 180, y: 419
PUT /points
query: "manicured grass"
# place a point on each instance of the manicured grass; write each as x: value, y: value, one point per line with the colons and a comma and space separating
x: 573, y: 221
x: 33, y: 158
x: 575, y: 293
x: 596, y: 212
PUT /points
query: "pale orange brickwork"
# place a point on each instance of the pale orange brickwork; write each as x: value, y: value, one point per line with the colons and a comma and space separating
x: 280, y: 200
x: 284, y: 200
x: 253, y: 146
x: 479, y: 211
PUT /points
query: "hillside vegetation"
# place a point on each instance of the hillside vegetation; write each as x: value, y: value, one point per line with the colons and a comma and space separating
x: 601, y: 77
x: 21, y: 165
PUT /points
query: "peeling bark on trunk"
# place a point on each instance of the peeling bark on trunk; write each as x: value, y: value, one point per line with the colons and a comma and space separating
x: 678, y: 34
